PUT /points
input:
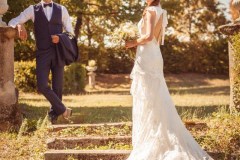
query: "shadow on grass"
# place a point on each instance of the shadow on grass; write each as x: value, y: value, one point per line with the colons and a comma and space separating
x: 111, y: 114
x: 223, y: 90
x: 193, y: 79
x: 199, y: 112
x: 206, y: 90
x: 113, y: 81
x: 109, y: 92
x: 217, y: 90
x: 43, y: 100
x: 175, y: 80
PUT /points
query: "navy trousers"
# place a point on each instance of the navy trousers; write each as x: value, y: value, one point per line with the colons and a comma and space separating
x: 46, y: 62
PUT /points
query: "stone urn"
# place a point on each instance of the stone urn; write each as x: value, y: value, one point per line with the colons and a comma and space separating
x: 3, y: 10
x: 91, y: 68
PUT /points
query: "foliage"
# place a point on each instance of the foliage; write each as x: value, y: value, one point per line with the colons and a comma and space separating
x: 223, y: 134
x: 124, y: 130
x: 25, y: 77
x: 193, y: 43
x: 195, y: 56
x: 74, y: 78
x: 24, y: 50
x: 118, y: 61
x: 109, y: 146
x: 27, y: 144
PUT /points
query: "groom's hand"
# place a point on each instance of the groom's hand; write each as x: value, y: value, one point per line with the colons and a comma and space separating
x: 55, y: 39
x: 22, y: 32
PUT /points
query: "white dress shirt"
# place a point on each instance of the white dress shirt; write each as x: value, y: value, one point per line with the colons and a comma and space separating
x: 28, y: 14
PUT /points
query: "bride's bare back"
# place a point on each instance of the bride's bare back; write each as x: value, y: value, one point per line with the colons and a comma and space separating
x: 152, y: 26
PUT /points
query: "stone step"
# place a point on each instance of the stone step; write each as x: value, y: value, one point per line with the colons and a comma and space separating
x: 195, y: 125
x: 86, y: 142
x: 110, y: 155
x: 86, y: 154
x: 55, y: 128
x: 223, y: 156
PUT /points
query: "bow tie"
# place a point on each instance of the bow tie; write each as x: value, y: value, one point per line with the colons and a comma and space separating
x: 47, y: 4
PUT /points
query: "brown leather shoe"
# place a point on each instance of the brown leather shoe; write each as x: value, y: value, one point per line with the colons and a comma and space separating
x: 68, y: 113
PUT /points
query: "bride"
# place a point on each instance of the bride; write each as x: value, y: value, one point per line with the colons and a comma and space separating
x: 158, y: 131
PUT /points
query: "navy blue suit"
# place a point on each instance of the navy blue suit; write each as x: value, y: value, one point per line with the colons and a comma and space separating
x: 46, y: 57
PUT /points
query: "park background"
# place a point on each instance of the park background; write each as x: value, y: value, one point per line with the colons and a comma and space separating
x: 196, y: 66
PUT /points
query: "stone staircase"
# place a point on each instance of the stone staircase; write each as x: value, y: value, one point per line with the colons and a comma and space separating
x: 110, y: 141
x: 100, y: 145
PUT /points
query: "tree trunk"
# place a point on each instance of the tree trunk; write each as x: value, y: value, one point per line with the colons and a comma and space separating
x: 89, y: 35
x: 78, y: 25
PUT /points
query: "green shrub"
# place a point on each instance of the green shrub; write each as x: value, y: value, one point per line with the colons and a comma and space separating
x: 74, y: 78
x: 25, y: 76
x: 118, y: 61
x: 207, y: 57
x: 26, y: 81
x: 222, y: 135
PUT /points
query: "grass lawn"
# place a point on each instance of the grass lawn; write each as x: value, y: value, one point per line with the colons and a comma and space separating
x: 194, y: 95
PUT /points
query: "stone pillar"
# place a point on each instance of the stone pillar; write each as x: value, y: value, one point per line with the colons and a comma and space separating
x: 231, y: 30
x: 10, y: 114
x: 91, y: 79
x: 91, y: 75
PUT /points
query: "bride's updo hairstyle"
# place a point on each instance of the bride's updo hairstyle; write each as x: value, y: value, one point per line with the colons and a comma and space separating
x: 154, y: 3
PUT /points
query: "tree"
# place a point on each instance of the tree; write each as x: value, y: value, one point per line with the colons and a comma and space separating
x: 192, y: 37
x: 95, y: 19
x: 194, y: 24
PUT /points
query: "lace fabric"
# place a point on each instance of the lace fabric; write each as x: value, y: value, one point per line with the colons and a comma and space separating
x: 158, y: 131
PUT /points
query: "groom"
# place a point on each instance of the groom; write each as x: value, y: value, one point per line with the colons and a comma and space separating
x: 49, y: 20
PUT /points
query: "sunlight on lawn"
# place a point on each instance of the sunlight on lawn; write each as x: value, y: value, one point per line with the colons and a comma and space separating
x: 111, y: 100
x: 193, y: 94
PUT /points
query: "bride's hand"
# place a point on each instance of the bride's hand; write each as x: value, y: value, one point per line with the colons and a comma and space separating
x: 130, y: 44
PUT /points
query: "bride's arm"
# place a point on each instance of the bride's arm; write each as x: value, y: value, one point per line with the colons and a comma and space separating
x: 149, y: 35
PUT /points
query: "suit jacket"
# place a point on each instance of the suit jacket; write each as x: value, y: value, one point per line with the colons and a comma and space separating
x: 67, y: 49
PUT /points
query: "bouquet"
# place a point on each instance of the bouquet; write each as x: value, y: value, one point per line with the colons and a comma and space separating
x: 125, y: 32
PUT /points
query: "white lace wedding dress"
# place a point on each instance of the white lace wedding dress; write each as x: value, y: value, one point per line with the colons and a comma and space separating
x: 158, y: 131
